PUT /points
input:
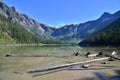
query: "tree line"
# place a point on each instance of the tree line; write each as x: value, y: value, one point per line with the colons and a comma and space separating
x: 15, y: 33
x: 108, y: 36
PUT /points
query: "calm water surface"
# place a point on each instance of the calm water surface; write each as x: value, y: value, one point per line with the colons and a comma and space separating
x: 15, y: 68
x: 53, y: 50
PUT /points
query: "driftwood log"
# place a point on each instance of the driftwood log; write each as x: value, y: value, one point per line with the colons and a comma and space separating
x: 67, y: 65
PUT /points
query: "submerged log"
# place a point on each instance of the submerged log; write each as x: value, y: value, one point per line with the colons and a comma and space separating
x: 67, y: 65
x: 76, y: 54
x: 88, y: 53
x: 86, y: 66
x: 100, y: 54
x: 104, y: 62
x: 9, y: 55
x: 114, y: 58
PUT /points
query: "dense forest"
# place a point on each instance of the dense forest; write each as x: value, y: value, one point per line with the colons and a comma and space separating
x: 14, y: 33
x: 108, y: 36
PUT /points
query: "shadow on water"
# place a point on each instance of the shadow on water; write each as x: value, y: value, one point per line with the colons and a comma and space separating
x: 117, y: 71
x: 91, y: 78
x: 117, y: 77
x: 45, y: 73
x: 98, y: 76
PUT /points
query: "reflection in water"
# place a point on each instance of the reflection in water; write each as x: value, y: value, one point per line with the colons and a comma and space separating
x: 38, y: 50
x: 53, y: 50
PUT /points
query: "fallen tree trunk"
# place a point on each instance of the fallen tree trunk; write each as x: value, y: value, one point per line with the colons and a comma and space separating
x: 115, y: 57
x: 67, y: 65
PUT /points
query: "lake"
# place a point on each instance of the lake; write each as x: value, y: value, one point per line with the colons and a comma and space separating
x: 52, y: 50
x: 26, y: 59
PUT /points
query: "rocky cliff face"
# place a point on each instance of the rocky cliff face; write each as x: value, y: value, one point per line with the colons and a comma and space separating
x: 30, y: 24
x: 73, y: 32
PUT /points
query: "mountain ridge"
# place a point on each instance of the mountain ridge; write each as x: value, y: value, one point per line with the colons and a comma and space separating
x: 108, y: 36
x: 89, y: 26
x: 66, y: 33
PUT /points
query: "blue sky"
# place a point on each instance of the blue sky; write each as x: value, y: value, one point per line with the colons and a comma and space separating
x: 61, y: 12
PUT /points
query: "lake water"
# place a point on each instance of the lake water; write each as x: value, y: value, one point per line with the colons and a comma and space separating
x: 15, y: 68
x: 52, y: 50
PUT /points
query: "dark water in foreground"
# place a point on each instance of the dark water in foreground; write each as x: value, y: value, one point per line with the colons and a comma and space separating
x: 116, y: 78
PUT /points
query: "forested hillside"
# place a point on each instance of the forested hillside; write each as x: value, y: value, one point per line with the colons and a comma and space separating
x: 108, y: 36
x: 72, y: 33
x: 14, y: 33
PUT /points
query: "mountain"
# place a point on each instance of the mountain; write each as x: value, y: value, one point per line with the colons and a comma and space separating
x: 28, y: 23
x: 16, y: 27
x: 67, y: 33
x: 84, y: 30
x: 107, y: 36
x: 14, y: 33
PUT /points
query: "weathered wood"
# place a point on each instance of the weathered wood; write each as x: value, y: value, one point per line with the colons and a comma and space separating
x: 92, y: 55
x: 9, y: 55
x: 67, y: 65
x: 115, y: 57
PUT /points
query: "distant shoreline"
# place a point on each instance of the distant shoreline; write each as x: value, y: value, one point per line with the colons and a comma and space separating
x: 35, y: 44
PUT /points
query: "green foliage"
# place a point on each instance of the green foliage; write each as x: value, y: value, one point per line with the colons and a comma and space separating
x: 108, y: 36
x: 13, y: 31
